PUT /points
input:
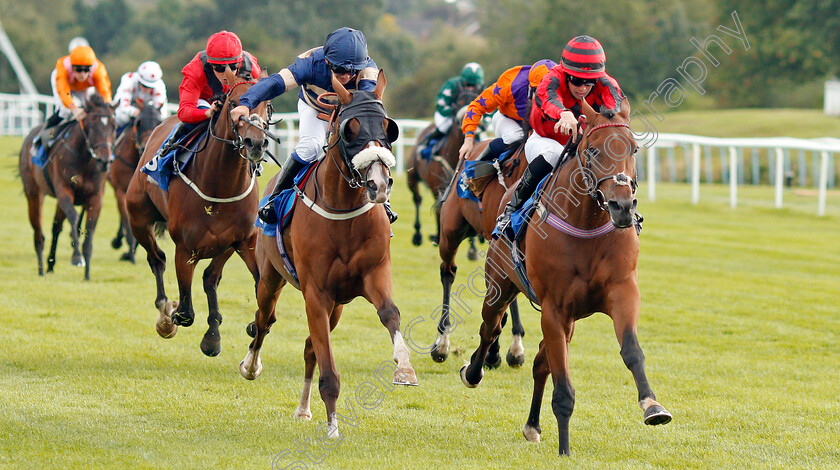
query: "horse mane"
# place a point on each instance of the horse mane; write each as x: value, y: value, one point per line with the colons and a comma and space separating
x: 96, y: 101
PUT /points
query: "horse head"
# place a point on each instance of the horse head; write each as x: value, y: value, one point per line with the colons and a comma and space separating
x: 146, y: 121
x: 249, y: 139
x: 608, y: 162
x: 364, y: 138
x: 98, y: 128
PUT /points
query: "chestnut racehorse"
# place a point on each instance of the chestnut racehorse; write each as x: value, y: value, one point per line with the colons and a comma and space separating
x: 339, y: 245
x: 581, y: 254
x: 210, y: 210
x: 437, y: 171
x: 460, y: 218
x: 74, y: 175
x: 127, y: 151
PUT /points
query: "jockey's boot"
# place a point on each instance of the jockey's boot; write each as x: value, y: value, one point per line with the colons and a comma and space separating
x: 494, y: 149
x: 429, y: 142
x: 534, y: 173
x: 180, y: 131
x: 392, y: 216
x: 287, y: 176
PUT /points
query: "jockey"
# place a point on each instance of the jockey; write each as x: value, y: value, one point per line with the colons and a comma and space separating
x: 472, y: 77
x: 137, y: 90
x: 205, y: 78
x: 511, y: 95
x: 75, y: 77
x: 344, y: 55
x: 554, y: 115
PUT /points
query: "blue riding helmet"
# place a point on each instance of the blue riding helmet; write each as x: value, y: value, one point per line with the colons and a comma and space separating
x: 347, y: 48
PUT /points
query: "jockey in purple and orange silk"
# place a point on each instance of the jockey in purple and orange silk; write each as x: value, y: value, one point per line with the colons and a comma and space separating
x: 580, y: 75
x: 511, y: 94
x: 205, y: 77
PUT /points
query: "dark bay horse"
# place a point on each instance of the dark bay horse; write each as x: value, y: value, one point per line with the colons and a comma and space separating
x: 74, y: 175
x: 461, y: 218
x: 580, y: 253
x: 127, y: 151
x: 209, y: 210
x: 339, y: 242
x: 437, y: 171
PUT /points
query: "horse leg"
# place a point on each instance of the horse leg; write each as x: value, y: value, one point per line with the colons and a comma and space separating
x: 494, y: 359
x: 413, y: 179
x: 303, y: 412
x: 132, y: 245
x: 378, y: 285
x: 532, y: 429
x: 57, y: 225
x: 211, y: 343
x: 94, y: 207
x: 624, y: 306
x: 440, y: 349
x: 36, y: 201
x: 124, y: 230
x: 65, y: 203
x: 268, y: 289
x: 318, y: 309
x: 246, y: 251
x: 516, y: 353
x: 184, y: 270
x: 557, y: 331
x: 472, y: 252
x: 500, y: 292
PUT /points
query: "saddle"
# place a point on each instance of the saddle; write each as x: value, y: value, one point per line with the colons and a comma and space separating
x: 44, y: 141
x: 478, y: 174
x: 160, y: 169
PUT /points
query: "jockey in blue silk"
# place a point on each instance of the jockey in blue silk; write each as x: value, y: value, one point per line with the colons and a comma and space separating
x: 344, y: 55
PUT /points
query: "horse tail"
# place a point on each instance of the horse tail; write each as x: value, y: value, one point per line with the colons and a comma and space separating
x: 160, y: 229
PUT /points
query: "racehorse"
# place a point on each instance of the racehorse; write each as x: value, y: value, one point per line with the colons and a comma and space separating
x: 339, y: 245
x: 74, y: 175
x: 437, y: 171
x: 581, y: 255
x: 461, y: 218
x: 127, y: 151
x: 209, y: 210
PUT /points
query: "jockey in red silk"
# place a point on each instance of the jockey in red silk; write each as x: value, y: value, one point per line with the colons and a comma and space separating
x: 345, y: 55
x: 511, y: 95
x: 205, y: 77
x: 581, y: 74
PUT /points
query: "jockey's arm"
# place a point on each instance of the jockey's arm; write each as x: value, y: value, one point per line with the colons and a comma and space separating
x: 267, y: 88
x: 102, y: 82
x: 62, y: 85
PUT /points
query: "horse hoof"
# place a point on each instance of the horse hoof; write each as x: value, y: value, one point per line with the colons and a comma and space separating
x: 438, y: 356
x: 440, y: 350
x: 303, y: 414
x: 405, y: 376
x: 78, y: 262
x: 466, y: 381
x: 656, y: 415
x: 211, y: 344
x: 127, y: 257
x: 116, y: 243
x: 434, y: 239
x: 491, y: 362
x: 248, y: 374
x: 165, y: 328
x: 472, y: 254
x: 183, y: 319
x: 251, y: 330
x: 515, y: 360
x: 532, y: 434
x: 417, y: 239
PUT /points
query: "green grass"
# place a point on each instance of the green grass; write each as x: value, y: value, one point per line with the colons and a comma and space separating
x: 739, y: 326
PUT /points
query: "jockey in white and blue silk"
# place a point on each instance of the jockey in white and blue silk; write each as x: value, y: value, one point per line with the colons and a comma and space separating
x: 345, y: 55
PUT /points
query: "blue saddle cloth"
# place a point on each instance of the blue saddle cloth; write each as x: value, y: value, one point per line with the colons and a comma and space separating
x: 464, y: 191
x: 41, y: 158
x: 519, y: 218
x: 284, y: 204
x: 161, y: 169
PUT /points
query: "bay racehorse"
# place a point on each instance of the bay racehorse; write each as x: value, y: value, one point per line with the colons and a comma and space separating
x: 437, y: 172
x: 127, y: 150
x: 339, y: 244
x: 74, y: 175
x: 581, y: 254
x: 209, y: 210
x: 461, y: 218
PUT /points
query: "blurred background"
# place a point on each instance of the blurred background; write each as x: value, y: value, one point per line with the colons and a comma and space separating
x: 794, y: 45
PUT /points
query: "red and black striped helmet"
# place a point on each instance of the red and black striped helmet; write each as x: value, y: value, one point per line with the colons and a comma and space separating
x: 584, y: 57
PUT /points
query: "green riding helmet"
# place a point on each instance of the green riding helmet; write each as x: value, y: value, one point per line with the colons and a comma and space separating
x: 473, y: 74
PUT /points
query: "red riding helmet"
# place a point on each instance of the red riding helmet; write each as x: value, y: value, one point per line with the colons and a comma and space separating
x: 224, y: 47
x: 583, y: 57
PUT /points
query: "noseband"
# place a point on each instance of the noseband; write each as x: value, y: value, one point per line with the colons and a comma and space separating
x: 238, y: 143
x: 592, y: 182
x: 91, y: 148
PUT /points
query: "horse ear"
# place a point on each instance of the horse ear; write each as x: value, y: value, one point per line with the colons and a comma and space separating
x: 381, y: 83
x: 392, y: 130
x: 588, y: 111
x: 343, y: 95
x: 263, y: 73
x: 624, y: 113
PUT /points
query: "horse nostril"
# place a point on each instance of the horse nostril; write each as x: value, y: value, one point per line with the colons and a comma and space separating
x: 371, y: 185
x: 390, y: 183
x: 248, y: 142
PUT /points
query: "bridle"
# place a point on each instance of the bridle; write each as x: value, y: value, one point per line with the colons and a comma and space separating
x: 238, y: 143
x: 592, y: 182
x: 103, y: 165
